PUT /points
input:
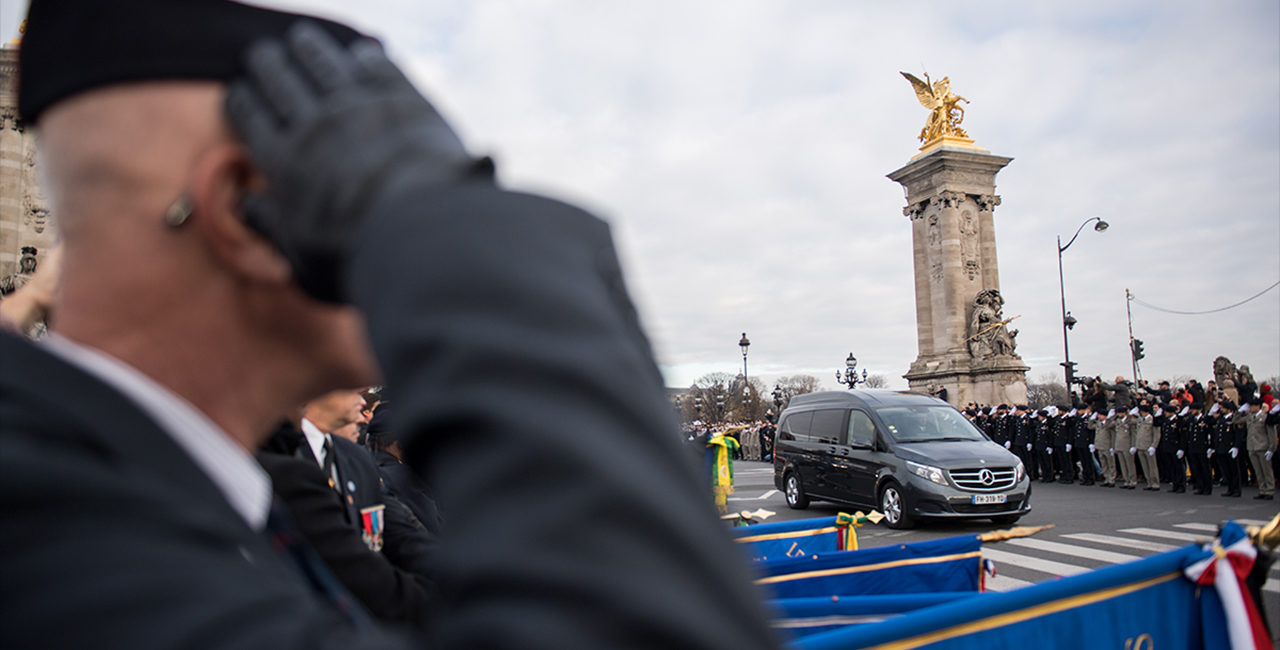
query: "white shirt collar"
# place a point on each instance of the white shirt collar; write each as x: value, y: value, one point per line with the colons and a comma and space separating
x: 242, y: 481
x: 315, y: 438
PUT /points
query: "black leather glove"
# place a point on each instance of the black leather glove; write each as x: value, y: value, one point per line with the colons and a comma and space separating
x: 334, y: 130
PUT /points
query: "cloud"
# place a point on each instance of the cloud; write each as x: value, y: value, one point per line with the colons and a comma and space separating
x: 739, y: 150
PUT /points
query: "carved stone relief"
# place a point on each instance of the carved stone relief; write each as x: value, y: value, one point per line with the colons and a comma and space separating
x: 951, y: 199
x: 987, y: 202
x: 969, y: 242
x: 988, y: 335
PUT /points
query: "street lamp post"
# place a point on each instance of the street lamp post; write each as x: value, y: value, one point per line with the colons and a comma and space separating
x: 744, y: 343
x: 850, y: 377
x: 1068, y: 321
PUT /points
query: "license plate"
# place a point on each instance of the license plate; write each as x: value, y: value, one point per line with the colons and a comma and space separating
x: 979, y: 499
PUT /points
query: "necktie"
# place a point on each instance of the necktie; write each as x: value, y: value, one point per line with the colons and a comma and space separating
x: 286, y: 540
x: 330, y: 468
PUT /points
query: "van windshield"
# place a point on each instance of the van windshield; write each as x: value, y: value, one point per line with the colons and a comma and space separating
x: 927, y: 423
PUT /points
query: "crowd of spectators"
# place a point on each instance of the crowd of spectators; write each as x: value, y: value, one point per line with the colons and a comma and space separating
x: 754, y: 437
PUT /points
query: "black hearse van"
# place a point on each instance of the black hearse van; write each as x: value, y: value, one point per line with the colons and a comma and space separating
x: 908, y: 455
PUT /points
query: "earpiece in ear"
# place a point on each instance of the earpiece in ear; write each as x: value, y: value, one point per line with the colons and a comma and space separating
x: 179, y: 212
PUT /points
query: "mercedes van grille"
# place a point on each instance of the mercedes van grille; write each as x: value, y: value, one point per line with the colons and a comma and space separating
x: 983, y: 479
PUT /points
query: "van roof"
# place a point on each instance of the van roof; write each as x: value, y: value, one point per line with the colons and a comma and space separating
x: 865, y: 398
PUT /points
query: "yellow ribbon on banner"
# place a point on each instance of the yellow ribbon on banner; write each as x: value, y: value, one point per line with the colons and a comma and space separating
x: 722, y: 470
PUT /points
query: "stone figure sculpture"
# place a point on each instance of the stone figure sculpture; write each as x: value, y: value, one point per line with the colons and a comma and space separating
x: 1224, y: 375
x: 988, y: 335
x: 945, y: 114
x: 26, y: 268
x: 1231, y: 379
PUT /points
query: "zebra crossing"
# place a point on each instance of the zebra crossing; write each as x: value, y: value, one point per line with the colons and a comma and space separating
x: 1029, y: 560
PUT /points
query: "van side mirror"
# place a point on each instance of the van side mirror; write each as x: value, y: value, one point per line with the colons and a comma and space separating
x: 861, y: 444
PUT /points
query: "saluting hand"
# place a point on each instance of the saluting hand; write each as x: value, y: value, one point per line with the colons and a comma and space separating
x: 335, y: 130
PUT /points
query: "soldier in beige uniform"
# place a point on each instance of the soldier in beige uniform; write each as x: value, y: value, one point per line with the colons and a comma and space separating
x: 1146, y: 438
x: 1105, y: 441
x: 1124, y: 426
x: 1261, y: 444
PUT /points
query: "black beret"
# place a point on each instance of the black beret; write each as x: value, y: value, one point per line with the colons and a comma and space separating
x: 71, y: 46
x: 380, y: 423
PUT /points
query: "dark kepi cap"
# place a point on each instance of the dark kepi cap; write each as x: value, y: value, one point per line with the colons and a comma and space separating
x: 71, y: 46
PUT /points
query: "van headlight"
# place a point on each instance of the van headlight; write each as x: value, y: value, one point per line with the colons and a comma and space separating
x: 926, y: 471
x: 1017, y: 472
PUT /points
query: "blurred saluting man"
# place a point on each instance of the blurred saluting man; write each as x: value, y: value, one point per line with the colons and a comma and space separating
x: 210, y: 273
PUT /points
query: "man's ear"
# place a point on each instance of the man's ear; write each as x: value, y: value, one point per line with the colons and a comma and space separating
x: 220, y: 178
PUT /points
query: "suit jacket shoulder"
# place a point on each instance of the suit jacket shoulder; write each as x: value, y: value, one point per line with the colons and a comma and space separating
x: 532, y: 400
x: 317, y: 511
x: 113, y: 537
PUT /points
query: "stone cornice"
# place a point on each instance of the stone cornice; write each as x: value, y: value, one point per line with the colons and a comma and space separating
x: 967, y: 172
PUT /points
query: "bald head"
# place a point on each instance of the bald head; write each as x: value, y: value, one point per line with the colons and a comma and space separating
x: 124, y: 153
x: 208, y: 307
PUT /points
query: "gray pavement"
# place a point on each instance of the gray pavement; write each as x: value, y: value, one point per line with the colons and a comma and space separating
x: 1093, y: 527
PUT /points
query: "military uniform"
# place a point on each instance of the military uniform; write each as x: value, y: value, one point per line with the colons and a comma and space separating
x: 1006, y: 427
x: 1082, y: 430
x: 1042, y: 442
x: 1106, y: 444
x: 1261, y: 442
x: 1225, y: 447
x: 1197, y: 437
x: 1145, y: 439
x: 1062, y: 438
x: 1123, y: 444
x: 1023, y: 438
x: 1172, y: 448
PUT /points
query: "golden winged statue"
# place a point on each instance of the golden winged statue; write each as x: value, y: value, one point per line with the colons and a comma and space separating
x: 945, y: 115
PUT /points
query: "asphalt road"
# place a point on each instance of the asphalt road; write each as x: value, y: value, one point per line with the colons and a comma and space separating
x: 1093, y: 527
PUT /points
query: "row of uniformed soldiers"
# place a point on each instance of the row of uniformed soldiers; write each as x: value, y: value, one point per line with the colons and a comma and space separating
x: 1113, y: 448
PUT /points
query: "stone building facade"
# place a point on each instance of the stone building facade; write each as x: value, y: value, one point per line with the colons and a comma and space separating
x: 24, y: 212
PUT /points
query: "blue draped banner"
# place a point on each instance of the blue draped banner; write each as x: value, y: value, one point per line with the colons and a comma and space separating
x: 950, y: 564
x: 790, y: 539
x: 926, y: 595
x: 1142, y: 605
x: 798, y: 617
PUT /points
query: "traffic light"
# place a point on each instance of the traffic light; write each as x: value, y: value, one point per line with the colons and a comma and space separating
x: 1136, y: 346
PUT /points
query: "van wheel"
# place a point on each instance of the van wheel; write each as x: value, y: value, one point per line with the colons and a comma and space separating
x: 796, y: 499
x: 1006, y: 520
x: 893, y: 505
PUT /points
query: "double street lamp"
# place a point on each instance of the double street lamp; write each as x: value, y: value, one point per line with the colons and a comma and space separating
x: 850, y: 377
x: 1069, y: 321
